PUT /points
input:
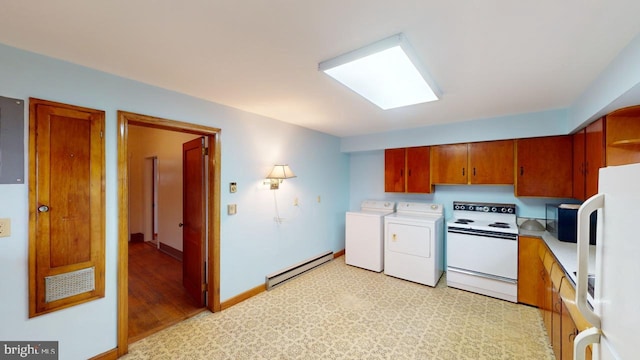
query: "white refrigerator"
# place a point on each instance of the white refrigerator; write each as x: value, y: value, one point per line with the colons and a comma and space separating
x: 614, y: 310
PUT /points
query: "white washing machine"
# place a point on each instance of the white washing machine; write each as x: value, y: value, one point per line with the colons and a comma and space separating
x: 364, y: 235
x: 414, y: 242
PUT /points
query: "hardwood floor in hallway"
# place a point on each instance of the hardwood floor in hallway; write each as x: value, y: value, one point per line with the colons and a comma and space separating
x: 157, y: 298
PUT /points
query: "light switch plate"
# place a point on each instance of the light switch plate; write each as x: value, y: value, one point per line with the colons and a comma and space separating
x: 233, y: 187
x: 5, y: 227
x: 232, y: 209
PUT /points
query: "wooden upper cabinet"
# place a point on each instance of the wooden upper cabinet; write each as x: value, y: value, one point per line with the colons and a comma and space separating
x: 449, y: 164
x: 544, y: 166
x: 407, y: 170
x: 588, y: 158
x: 491, y: 162
x: 394, y: 163
x: 579, y: 164
x: 623, y: 136
x: 418, y: 170
x: 594, y: 155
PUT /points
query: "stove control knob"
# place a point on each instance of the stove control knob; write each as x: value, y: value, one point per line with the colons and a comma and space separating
x: 510, y: 210
x: 471, y: 207
x: 503, y: 210
x: 493, y: 209
x: 485, y: 209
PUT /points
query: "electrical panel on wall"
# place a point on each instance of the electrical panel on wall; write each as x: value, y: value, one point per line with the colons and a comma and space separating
x: 11, y: 141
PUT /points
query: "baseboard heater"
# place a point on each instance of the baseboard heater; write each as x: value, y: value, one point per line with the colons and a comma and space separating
x: 289, y: 273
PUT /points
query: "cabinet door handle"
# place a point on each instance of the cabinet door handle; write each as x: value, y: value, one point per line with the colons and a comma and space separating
x: 474, y: 171
x: 409, y: 172
x: 521, y: 170
x: 462, y: 171
x: 573, y: 334
x: 401, y: 173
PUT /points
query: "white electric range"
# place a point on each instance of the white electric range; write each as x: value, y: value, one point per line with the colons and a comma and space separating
x: 482, y: 249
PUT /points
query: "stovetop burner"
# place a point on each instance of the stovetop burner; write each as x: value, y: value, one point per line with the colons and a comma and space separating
x: 463, y: 221
x: 501, y: 225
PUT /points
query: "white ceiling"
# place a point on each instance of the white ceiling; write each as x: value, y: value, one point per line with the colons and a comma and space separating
x: 489, y: 57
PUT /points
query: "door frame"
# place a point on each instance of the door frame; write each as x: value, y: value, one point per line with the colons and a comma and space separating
x: 212, y: 136
x: 151, y: 208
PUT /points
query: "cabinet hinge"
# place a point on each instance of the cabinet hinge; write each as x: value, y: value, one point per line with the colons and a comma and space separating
x: 100, y: 134
x: 205, y: 151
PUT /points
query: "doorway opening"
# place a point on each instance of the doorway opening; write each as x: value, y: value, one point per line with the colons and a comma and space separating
x: 154, y: 221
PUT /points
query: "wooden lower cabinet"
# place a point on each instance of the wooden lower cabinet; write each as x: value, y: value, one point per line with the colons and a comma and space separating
x: 529, y: 270
x: 555, y: 295
x: 556, y: 310
x: 546, y: 293
x: 572, y: 321
x: 568, y: 333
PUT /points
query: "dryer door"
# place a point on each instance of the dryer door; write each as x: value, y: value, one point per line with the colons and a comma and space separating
x: 409, y: 239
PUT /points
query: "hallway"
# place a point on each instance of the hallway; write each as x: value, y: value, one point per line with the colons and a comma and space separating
x: 157, y: 298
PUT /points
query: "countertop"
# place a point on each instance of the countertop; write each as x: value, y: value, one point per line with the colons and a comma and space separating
x: 565, y: 252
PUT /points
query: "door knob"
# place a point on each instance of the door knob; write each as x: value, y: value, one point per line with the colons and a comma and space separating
x: 180, y: 225
x: 43, y: 208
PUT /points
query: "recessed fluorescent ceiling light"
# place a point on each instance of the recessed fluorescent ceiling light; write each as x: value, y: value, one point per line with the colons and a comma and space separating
x: 385, y: 73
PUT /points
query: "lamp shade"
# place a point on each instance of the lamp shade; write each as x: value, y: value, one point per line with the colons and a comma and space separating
x: 281, y: 172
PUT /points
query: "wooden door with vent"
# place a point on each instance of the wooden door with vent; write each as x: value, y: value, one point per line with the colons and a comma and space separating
x: 66, y: 206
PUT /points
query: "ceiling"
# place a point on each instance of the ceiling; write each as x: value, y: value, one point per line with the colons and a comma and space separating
x: 490, y: 58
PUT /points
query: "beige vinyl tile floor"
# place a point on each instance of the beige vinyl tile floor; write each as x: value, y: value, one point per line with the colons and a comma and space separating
x: 336, y: 311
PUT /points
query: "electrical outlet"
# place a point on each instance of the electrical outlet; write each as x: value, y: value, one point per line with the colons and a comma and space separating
x: 5, y: 227
x: 295, y: 202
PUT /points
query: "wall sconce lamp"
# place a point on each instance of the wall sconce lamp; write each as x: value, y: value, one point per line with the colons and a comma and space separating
x: 279, y: 173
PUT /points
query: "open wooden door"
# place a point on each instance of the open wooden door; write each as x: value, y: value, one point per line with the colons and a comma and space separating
x: 194, y: 219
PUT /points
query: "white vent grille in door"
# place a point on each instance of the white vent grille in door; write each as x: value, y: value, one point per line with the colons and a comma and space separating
x: 69, y: 284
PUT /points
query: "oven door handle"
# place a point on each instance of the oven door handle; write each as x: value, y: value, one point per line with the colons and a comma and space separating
x: 479, y: 274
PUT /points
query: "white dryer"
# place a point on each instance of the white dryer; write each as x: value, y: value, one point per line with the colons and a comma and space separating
x: 414, y: 242
x: 364, y: 235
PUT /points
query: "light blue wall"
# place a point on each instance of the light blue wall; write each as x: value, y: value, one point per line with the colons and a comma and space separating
x: 616, y: 87
x: 544, y: 123
x: 252, y: 243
